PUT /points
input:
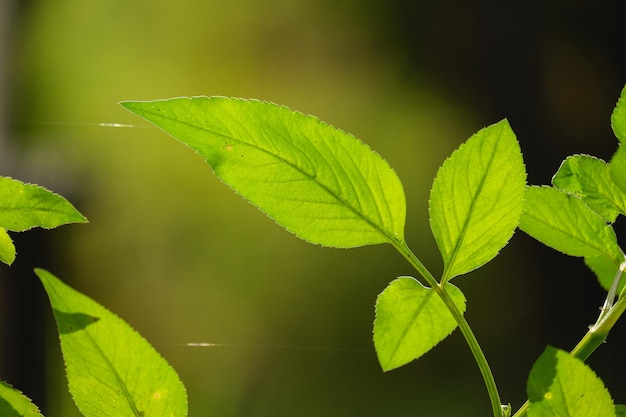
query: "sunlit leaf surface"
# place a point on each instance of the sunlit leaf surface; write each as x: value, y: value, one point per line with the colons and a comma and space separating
x: 410, y: 320
x: 589, y: 178
x: 24, y: 206
x: 561, y: 385
x: 318, y: 182
x: 112, y: 371
x: 15, y: 404
x: 567, y: 224
x: 477, y: 199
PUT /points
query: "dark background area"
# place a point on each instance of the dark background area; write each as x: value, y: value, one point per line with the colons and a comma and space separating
x: 554, y: 69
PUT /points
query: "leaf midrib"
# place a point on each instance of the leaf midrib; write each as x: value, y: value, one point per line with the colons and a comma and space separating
x: 463, y: 233
x: 92, y: 341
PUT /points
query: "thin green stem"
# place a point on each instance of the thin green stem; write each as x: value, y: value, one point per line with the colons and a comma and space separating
x: 464, y: 326
x: 593, y: 339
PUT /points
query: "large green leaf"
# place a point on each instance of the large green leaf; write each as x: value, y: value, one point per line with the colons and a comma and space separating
x: 15, y: 404
x: 24, y: 206
x: 561, y: 385
x: 589, y: 178
x: 618, y: 118
x: 410, y: 320
x: 318, y: 182
x: 567, y: 224
x: 112, y: 371
x: 477, y: 199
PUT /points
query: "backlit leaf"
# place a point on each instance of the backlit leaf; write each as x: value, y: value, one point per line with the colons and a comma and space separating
x: 618, y: 118
x: 410, y: 320
x: 561, y: 385
x: 589, y: 178
x: 567, y: 224
x: 111, y: 370
x: 7, y: 248
x: 477, y: 199
x: 15, y: 404
x: 318, y: 182
x: 24, y: 206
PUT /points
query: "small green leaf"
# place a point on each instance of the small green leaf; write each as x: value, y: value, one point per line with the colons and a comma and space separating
x: 561, y: 385
x: 617, y: 168
x: 24, y: 206
x: 410, y: 320
x: 318, y: 182
x: 567, y: 224
x: 15, y: 404
x: 477, y: 199
x: 7, y: 248
x: 589, y: 178
x: 620, y: 410
x: 112, y: 371
x: 618, y: 118
x: 605, y: 270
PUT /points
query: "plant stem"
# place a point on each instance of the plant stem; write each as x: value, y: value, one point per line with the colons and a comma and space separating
x: 593, y: 339
x: 464, y: 326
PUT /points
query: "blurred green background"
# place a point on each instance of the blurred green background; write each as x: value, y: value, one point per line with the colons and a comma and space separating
x: 183, y: 259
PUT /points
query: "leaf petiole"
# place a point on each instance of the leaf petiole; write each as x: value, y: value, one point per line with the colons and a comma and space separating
x: 610, y: 297
x: 464, y: 326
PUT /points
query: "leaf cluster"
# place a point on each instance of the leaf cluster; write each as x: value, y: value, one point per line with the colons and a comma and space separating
x: 328, y: 188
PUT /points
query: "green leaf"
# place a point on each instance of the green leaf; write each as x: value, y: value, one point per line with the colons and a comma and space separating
x: 477, y: 199
x: 620, y: 410
x: 561, y: 385
x: 410, y: 320
x: 617, y: 168
x: 112, y: 371
x: 567, y: 224
x: 605, y: 269
x: 318, y: 182
x: 589, y: 178
x: 618, y: 118
x: 7, y: 248
x: 24, y: 206
x: 15, y: 404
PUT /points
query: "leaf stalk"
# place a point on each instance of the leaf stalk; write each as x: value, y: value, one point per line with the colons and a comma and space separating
x: 464, y: 326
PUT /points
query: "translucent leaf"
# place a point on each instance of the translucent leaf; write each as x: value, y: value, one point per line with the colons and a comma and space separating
x: 24, y: 206
x: 112, y: 371
x: 7, y: 248
x: 567, y: 224
x: 15, y: 404
x: 618, y: 118
x: 477, y: 199
x: 589, y: 178
x: 561, y: 385
x: 410, y: 320
x: 318, y: 182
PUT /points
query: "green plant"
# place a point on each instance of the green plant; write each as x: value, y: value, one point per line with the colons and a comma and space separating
x: 330, y: 189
